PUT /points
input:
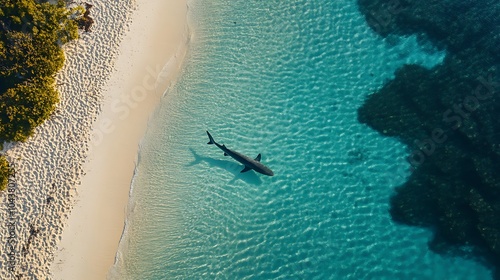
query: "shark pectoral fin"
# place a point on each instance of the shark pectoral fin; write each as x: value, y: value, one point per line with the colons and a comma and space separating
x: 258, y: 157
x: 246, y: 169
x: 225, y: 154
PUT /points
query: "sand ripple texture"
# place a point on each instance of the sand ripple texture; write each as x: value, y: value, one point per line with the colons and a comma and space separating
x: 49, y: 166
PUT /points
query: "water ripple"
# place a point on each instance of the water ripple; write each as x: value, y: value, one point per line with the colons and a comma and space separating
x: 284, y: 79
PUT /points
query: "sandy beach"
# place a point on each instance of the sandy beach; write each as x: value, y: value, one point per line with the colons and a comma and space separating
x: 150, y: 58
x: 63, y: 213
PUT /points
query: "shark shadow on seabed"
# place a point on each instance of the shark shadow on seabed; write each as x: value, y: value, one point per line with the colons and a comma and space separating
x: 249, y: 177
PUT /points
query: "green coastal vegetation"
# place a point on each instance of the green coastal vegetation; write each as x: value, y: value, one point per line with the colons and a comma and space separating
x: 32, y: 33
x: 4, y: 173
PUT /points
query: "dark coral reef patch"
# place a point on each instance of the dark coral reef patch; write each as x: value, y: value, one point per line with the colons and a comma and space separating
x: 449, y: 118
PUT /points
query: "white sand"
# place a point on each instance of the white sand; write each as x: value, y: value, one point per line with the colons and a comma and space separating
x: 157, y: 38
x: 113, y: 70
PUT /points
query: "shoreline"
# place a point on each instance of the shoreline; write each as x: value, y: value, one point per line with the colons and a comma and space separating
x: 50, y: 164
x: 149, y: 61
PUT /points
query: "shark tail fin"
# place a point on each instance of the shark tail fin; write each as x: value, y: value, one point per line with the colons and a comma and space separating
x: 212, y: 141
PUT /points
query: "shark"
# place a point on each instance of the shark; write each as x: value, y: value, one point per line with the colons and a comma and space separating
x: 248, y: 162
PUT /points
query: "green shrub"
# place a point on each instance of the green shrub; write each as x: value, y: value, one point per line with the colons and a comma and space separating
x: 31, y: 36
x: 4, y: 173
x: 25, y: 106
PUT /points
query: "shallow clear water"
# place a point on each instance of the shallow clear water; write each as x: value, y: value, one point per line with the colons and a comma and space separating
x: 281, y: 78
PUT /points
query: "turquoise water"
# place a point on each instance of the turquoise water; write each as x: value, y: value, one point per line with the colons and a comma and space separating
x: 281, y: 78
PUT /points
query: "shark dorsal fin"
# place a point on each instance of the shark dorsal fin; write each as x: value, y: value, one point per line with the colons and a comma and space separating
x: 258, y: 157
